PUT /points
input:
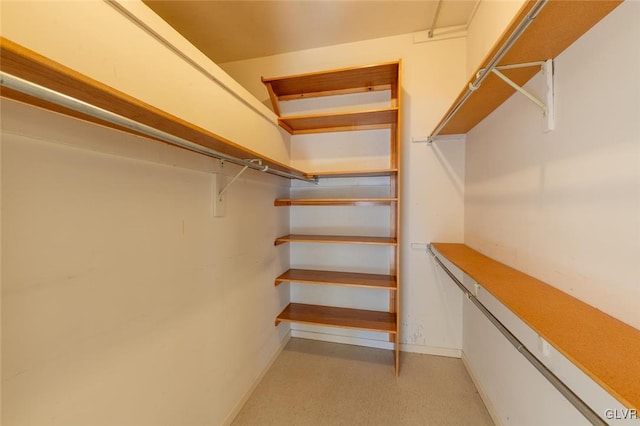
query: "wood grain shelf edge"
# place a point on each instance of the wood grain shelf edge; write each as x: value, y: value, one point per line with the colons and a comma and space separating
x: 335, y: 239
x: 339, y: 121
x: 353, y: 173
x: 353, y: 279
x: 361, y: 202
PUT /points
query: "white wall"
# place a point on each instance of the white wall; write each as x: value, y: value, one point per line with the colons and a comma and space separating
x: 123, y: 300
x: 489, y: 22
x: 513, y: 390
x: 433, y: 72
x: 562, y: 206
x: 100, y: 40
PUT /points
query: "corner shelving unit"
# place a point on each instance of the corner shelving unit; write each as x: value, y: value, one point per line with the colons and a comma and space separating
x: 372, y: 78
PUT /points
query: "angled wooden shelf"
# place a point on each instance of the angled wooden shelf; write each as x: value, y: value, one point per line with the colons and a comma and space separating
x: 360, y: 202
x: 354, y: 173
x: 330, y: 316
x: 340, y: 121
x: 336, y: 239
x: 349, y: 279
x: 334, y: 82
x: 556, y: 27
x: 603, y: 347
x: 26, y: 64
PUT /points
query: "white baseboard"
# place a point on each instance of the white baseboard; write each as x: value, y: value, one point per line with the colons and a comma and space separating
x: 236, y: 409
x: 485, y: 398
x: 431, y: 350
x: 378, y: 344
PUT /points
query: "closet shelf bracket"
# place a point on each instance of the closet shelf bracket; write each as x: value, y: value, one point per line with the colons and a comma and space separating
x: 547, y: 69
x: 546, y: 107
x: 244, y: 169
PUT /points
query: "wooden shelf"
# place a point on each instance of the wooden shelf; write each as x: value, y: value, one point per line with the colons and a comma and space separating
x: 339, y: 317
x: 340, y: 122
x: 350, y: 279
x: 604, y: 348
x: 335, y: 239
x: 354, y: 173
x: 556, y: 27
x: 360, y: 202
x: 333, y: 82
x: 28, y: 65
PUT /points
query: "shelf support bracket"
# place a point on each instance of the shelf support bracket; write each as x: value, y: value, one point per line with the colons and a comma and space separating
x: 244, y: 169
x: 521, y: 90
x: 548, y: 106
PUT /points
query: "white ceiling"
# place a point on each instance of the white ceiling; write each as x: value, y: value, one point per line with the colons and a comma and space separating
x: 229, y: 31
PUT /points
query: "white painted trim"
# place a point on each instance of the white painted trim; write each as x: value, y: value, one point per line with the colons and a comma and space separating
x: 483, y: 395
x: 236, y: 409
x: 378, y: 344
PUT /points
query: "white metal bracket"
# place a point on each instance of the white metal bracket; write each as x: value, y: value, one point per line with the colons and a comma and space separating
x: 452, y: 138
x: 544, y: 347
x: 219, y: 202
x: 476, y: 289
x: 244, y: 169
x: 547, y: 107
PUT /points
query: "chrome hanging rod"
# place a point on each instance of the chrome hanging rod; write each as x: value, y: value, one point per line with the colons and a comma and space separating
x: 574, y: 399
x: 46, y: 94
x: 513, y: 37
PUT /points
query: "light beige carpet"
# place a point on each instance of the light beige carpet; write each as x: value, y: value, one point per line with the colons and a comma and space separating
x: 319, y: 383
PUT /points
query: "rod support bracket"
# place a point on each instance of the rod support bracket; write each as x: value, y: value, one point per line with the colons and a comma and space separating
x: 244, y: 169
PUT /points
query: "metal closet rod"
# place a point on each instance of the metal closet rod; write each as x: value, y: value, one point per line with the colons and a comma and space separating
x: 574, y: 399
x: 515, y: 35
x: 46, y: 94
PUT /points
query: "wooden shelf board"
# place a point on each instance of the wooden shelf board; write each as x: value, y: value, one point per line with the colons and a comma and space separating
x: 604, y: 348
x: 354, y: 173
x: 326, y: 83
x: 361, y: 202
x: 336, y: 239
x: 28, y: 65
x: 339, y: 317
x: 352, y: 279
x: 556, y: 27
x: 340, y: 122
